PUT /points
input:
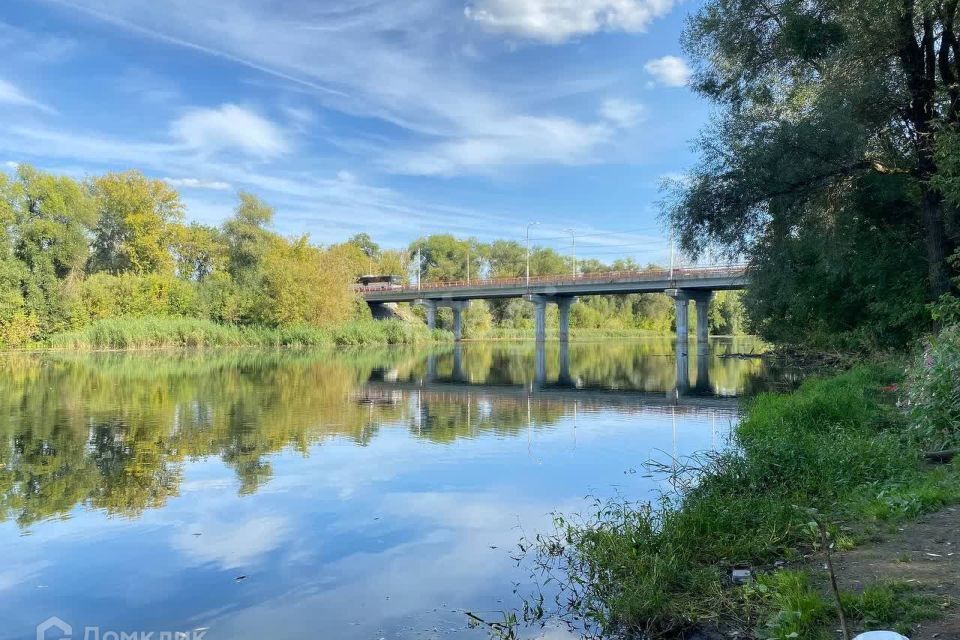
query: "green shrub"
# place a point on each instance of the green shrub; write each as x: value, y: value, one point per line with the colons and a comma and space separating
x: 933, y: 391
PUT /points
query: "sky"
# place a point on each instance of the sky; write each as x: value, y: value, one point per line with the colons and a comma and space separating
x: 398, y: 118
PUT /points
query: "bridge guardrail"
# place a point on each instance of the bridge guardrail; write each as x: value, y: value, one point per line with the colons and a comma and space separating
x: 607, y: 277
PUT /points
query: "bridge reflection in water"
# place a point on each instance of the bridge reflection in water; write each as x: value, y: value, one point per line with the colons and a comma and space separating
x: 445, y: 379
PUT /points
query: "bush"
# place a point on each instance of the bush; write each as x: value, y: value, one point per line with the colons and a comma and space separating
x: 18, y: 330
x: 933, y: 391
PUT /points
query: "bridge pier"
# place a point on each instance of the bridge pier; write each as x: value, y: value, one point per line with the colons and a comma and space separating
x: 564, y: 303
x: 540, y: 303
x: 681, y: 299
x: 540, y: 317
x: 702, y: 300
x: 430, y: 306
x: 457, y: 306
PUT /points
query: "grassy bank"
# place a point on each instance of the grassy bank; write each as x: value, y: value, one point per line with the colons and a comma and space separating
x: 160, y: 332
x: 839, y: 447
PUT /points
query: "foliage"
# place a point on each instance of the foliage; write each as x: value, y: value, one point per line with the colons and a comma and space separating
x: 834, y: 445
x: 76, y: 254
x: 134, y: 227
x: 933, y: 389
x: 832, y: 165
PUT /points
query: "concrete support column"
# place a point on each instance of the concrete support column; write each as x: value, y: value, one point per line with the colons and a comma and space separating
x: 540, y: 317
x: 457, y: 308
x: 702, y: 299
x: 431, y: 308
x: 681, y: 300
x: 564, y: 304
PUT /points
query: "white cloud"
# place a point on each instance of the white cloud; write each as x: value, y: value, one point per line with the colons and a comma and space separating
x: 555, y: 21
x: 10, y: 164
x: 669, y: 70
x: 10, y: 94
x: 518, y: 141
x: 196, y: 183
x: 622, y: 113
x: 392, y: 62
x: 230, y: 128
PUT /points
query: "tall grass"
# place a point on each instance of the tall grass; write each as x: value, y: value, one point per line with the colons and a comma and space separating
x: 837, y: 445
x: 164, y: 332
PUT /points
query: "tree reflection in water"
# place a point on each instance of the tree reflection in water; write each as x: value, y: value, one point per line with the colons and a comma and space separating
x: 113, y: 431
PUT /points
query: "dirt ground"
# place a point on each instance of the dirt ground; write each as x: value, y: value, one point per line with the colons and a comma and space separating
x: 925, y: 553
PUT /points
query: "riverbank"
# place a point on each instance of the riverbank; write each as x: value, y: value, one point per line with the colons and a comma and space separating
x: 838, y: 450
x: 167, y: 332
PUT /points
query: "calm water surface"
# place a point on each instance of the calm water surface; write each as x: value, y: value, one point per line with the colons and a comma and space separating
x: 367, y: 494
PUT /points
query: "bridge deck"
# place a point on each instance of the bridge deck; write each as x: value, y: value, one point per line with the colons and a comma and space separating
x: 619, y: 282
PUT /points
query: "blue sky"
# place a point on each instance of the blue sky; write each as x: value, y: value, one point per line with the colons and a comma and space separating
x: 395, y: 117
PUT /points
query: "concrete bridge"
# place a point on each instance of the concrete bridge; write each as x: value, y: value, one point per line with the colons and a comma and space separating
x: 683, y: 285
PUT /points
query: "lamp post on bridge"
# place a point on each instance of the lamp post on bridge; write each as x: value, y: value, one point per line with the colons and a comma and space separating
x: 531, y: 224
x: 573, y: 247
x: 419, y: 269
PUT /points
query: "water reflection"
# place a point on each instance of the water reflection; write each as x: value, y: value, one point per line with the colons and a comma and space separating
x: 332, y: 480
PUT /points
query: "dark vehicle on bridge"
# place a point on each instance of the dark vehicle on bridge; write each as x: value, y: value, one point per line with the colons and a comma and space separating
x: 379, y: 282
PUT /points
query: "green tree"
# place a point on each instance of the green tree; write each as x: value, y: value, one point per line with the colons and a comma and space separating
x: 505, y: 258
x: 247, y: 235
x: 199, y: 251
x: 824, y: 103
x: 445, y: 258
x: 134, y: 230
x: 366, y: 244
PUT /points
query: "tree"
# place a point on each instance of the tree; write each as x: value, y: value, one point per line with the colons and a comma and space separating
x: 444, y: 257
x: 369, y: 248
x: 52, y: 216
x: 247, y: 235
x: 506, y: 258
x: 134, y: 230
x: 199, y: 251
x: 304, y: 284
x: 821, y: 99
x: 547, y: 262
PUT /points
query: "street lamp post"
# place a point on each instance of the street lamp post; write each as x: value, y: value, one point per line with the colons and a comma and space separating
x: 573, y: 246
x: 671, y: 254
x: 531, y: 224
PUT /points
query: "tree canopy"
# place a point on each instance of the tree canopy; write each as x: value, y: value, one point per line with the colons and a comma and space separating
x: 834, y: 123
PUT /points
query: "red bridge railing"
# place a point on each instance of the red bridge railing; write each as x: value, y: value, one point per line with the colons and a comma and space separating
x: 607, y: 277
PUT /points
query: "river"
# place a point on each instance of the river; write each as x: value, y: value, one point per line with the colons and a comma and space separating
x: 375, y: 493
